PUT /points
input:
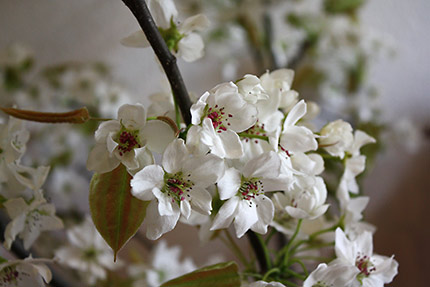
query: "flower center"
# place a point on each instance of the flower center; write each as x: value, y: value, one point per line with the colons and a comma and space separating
x: 365, y: 266
x: 90, y: 254
x: 127, y: 141
x: 176, y: 187
x: 250, y: 188
x: 257, y: 129
x: 8, y: 275
x: 218, y: 118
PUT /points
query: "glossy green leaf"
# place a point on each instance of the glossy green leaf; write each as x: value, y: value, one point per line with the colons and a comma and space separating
x: 116, y: 213
x: 218, y: 275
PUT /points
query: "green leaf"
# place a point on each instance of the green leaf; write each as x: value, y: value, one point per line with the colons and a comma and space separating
x: 116, y: 213
x: 218, y: 275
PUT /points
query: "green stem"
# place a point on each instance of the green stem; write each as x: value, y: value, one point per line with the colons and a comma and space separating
x: 289, y: 283
x: 236, y: 250
x: 268, y: 273
x: 260, y: 250
x: 317, y: 246
x: 285, y: 251
x: 273, y: 231
x: 99, y: 119
x: 305, y: 270
x: 295, y: 274
x: 251, y: 136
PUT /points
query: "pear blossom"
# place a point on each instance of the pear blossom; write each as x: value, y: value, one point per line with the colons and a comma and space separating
x: 127, y: 140
x: 164, y: 266
x: 177, y: 187
x: 29, y: 219
x: 244, y: 191
x: 181, y: 39
x: 336, y: 137
x: 217, y: 118
x: 306, y: 202
x: 352, y: 212
x: 277, y: 85
x: 87, y: 252
x: 373, y: 270
x: 337, y: 275
x: 15, y: 177
x: 24, y: 273
x: 297, y: 138
x: 354, y: 165
x: 251, y: 89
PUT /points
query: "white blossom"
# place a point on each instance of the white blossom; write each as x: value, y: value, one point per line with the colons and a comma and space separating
x: 217, y: 118
x: 305, y: 202
x: 24, y: 273
x: 127, y: 140
x: 373, y: 270
x: 181, y: 39
x: 87, y: 252
x: 354, y: 165
x: 337, y: 275
x: 297, y: 138
x: 177, y: 187
x: 29, y: 219
x: 164, y: 266
x: 336, y: 137
x: 244, y: 191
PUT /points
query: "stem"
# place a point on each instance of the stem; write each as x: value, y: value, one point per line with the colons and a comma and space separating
x: 268, y: 273
x: 99, y: 119
x: 305, y: 270
x: 260, y: 251
x: 251, y: 136
x: 233, y: 246
x: 289, y: 283
x: 168, y: 61
x: 268, y: 32
x: 254, y: 41
x: 273, y: 231
x: 285, y: 251
x: 295, y: 274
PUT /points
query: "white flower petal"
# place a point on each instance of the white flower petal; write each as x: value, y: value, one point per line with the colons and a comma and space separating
x: 144, y: 181
x: 136, y: 40
x: 229, y: 184
x: 157, y: 135
x: 245, y: 217
x: 100, y: 161
x: 190, y: 48
x: 226, y: 214
x: 201, y: 200
x: 197, y: 22
x: 157, y: 225
x: 174, y: 156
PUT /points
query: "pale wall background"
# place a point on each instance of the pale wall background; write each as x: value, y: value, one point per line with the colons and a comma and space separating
x: 399, y: 184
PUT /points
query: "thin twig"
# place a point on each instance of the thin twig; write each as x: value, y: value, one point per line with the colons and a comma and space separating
x: 168, y: 61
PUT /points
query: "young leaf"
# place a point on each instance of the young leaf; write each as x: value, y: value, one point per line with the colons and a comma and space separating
x: 218, y: 275
x: 116, y: 213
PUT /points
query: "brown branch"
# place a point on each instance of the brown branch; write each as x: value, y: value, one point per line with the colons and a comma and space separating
x: 168, y: 61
